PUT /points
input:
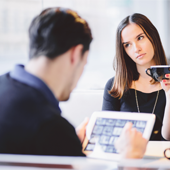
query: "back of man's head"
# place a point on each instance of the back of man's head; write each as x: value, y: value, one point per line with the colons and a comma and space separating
x: 55, y: 31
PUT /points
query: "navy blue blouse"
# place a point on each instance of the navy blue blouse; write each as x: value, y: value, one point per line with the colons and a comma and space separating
x: 146, y: 103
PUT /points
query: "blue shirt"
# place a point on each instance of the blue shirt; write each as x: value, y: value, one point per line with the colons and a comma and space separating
x: 21, y: 75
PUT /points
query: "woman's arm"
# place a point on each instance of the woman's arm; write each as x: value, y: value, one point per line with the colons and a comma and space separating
x: 110, y: 103
x: 166, y: 120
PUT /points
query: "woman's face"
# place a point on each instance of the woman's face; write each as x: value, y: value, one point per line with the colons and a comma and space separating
x: 137, y: 45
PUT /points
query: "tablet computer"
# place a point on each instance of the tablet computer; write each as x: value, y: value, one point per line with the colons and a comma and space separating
x: 105, y: 127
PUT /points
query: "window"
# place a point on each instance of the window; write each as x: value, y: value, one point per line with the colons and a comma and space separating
x: 103, y: 17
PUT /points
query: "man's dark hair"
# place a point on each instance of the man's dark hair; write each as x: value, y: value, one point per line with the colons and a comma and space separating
x: 55, y: 31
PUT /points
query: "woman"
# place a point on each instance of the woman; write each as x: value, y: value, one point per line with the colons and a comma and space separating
x: 138, y: 46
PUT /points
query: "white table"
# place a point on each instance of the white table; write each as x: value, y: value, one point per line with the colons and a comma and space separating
x: 156, y: 148
x: 153, y: 159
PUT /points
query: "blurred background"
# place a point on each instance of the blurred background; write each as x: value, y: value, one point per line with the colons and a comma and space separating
x: 103, y: 17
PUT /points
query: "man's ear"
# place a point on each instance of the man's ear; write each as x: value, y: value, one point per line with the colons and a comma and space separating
x: 76, y: 54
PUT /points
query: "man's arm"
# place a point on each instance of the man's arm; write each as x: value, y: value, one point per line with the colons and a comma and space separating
x: 57, y: 136
x: 131, y: 144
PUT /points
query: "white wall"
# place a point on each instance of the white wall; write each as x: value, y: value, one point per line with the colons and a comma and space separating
x: 81, y: 104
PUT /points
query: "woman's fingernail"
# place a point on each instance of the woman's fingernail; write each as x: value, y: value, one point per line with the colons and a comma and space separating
x: 165, y: 84
x: 167, y: 75
x: 164, y: 81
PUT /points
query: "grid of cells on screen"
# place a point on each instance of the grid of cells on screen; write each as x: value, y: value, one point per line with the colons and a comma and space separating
x: 106, y: 131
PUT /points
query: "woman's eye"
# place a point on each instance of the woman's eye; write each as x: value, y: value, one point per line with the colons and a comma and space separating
x: 127, y: 45
x: 140, y: 38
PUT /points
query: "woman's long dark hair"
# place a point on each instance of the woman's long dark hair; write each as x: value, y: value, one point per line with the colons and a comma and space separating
x: 124, y: 66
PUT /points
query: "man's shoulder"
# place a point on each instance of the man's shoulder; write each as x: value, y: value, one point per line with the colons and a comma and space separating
x: 16, y: 88
x: 4, y: 77
x: 18, y: 96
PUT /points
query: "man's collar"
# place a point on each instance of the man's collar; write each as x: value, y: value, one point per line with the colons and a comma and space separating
x: 21, y: 75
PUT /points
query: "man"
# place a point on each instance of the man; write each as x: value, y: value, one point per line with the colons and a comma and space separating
x: 30, y: 117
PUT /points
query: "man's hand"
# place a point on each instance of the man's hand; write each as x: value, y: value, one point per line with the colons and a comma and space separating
x: 131, y: 144
x: 81, y: 130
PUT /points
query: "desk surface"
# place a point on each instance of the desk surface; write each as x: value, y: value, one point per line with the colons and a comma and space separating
x: 30, y: 162
x: 156, y: 148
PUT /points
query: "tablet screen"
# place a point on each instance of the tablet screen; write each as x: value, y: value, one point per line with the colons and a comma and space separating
x: 107, y: 130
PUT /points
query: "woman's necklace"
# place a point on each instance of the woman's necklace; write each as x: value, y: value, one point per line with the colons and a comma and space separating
x: 138, y: 103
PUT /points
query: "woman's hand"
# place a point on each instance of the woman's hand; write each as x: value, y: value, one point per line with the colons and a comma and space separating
x: 166, y: 85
